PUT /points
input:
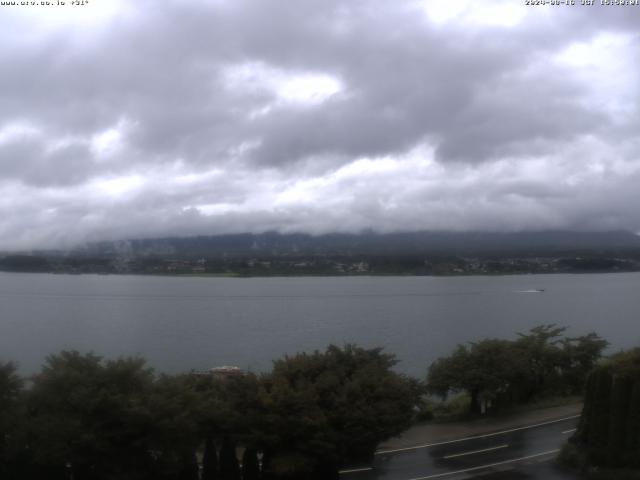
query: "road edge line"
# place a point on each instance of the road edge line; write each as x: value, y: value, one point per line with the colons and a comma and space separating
x: 482, y: 467
x: 483, y: 450
x: 475, y: 437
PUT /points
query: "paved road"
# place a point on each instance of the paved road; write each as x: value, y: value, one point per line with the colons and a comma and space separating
x: 517, y: 453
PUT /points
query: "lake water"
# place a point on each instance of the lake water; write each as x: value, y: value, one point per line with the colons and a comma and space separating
x: 182, y: 323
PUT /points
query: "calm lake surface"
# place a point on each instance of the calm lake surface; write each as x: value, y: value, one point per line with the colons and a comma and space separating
x: 182, y: 323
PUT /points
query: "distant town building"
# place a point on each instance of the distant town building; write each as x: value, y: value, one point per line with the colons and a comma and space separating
x: 224, y: 371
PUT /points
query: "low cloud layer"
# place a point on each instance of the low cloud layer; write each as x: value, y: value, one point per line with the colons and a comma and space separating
x: 130, y: 119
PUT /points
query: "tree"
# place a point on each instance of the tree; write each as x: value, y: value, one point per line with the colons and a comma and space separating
x: 228, y: 406
x: 189, y: 466
x: 12, y: 422
x: 325, y: 408
x: 210, y: 460
x: 91, y: 416
x: 540, y: 347
x: 500, y: 373
x: 609, y: 430
x: 486, y: 370
x: 250, y: 467
x: 176, y: 433
x: 229, y: 466
x: 581, y: 355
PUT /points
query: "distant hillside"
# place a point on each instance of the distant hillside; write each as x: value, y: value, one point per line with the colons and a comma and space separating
x: 427, y: 243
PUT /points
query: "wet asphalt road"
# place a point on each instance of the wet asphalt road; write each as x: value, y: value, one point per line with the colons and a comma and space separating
x: 522, y: 453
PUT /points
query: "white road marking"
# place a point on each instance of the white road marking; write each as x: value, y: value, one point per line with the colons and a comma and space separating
x: 476, y: 451
x: 355, y: 470
x: 569, y: 431
x: 475, y: 437
x: 481, y: 467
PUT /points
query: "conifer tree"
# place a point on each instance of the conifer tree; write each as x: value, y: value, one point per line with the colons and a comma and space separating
x: 609, y: 430
x: 250, y: 467
x: 189, y: 467
x: 229, y: 466
x: 210, y: 461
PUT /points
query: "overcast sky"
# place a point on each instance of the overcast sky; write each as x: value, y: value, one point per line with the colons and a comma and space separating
x: 146, y: 118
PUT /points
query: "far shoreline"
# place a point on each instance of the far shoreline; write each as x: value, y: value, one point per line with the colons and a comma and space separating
x: 315, y: 275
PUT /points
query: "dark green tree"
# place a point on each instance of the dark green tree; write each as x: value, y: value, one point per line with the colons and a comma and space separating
x: 608, y: 430
x: 498, y: 373
x: 487, y: 370
x: 189, y: 467
x: 176, y: 433
x: 90, y: 417
x: 210, y: 460
x: 580, y: 356
x: 250, y: 467
x: 12, y: 423
x: 229, y: 466
x: 325, y: 408
x: 540, y: 348
x: 228, y: 405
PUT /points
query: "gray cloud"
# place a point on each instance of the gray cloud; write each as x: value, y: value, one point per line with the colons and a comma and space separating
x: 218, y: 116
